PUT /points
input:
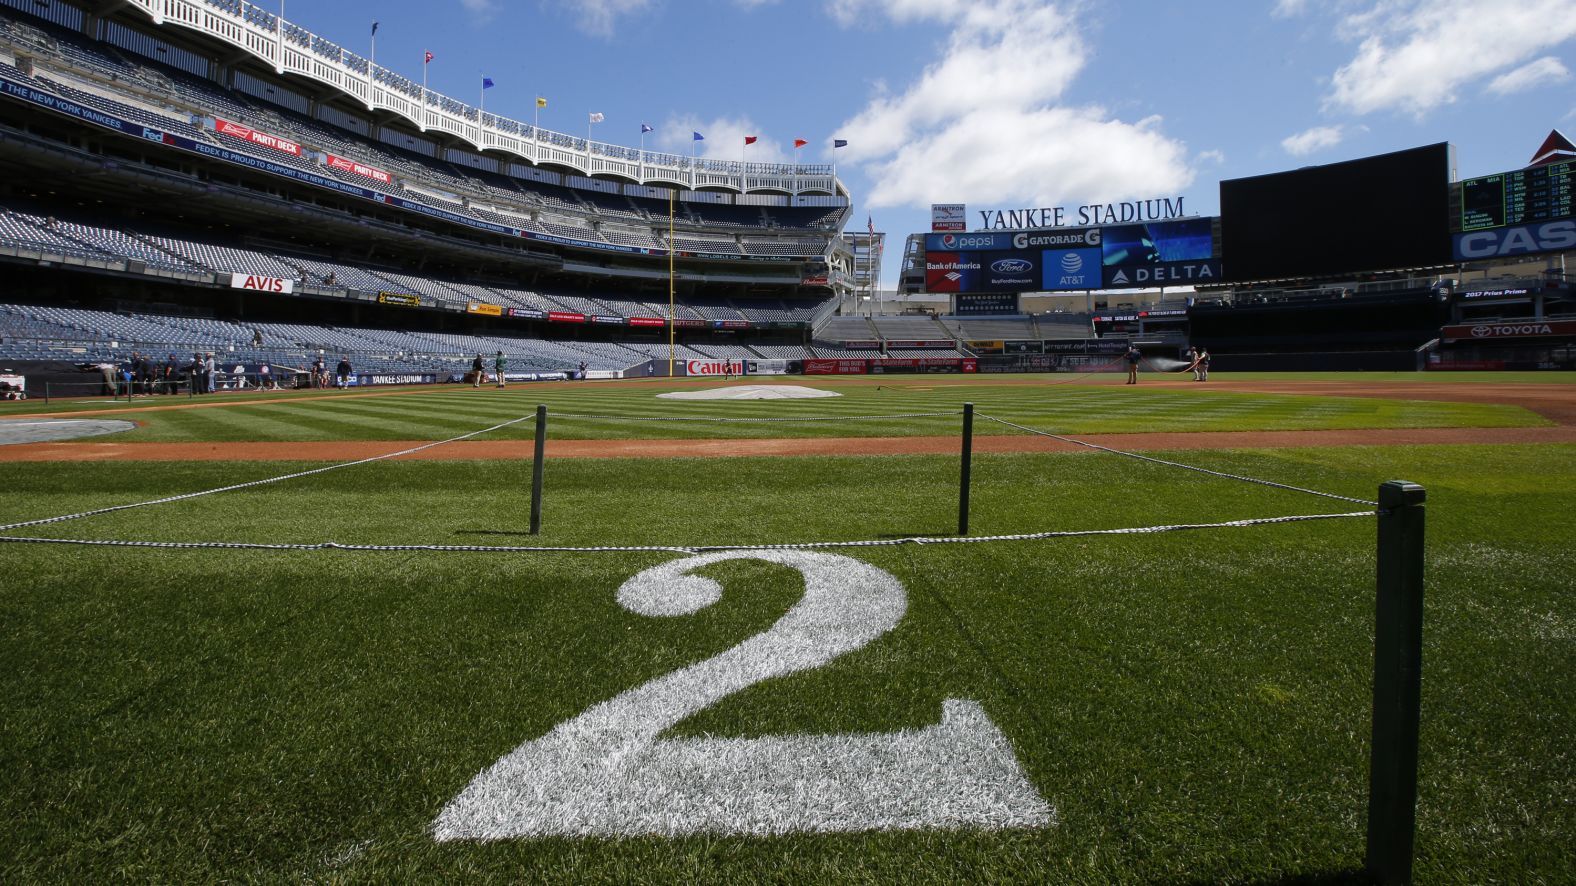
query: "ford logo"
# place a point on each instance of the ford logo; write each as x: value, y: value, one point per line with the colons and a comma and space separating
x: 1010, y: 266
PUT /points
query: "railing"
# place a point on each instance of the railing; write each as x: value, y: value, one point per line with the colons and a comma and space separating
x: 294, y: 50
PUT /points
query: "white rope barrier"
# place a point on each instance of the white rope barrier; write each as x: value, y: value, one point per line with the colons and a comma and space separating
x: 679, y: 549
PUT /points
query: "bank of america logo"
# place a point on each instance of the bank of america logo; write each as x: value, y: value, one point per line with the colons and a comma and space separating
x: 954, y: 276
x: 1072, y: 263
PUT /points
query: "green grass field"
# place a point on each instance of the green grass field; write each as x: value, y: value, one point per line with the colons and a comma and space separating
x: 1194, y: 706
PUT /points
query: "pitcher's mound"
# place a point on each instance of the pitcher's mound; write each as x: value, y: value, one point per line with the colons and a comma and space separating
x: 752, y: 392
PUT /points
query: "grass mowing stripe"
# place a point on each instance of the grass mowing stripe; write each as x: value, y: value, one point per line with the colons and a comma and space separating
x: 1194, y: 706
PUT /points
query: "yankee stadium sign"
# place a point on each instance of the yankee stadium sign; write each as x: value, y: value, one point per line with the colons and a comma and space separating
x: 1089, y: 214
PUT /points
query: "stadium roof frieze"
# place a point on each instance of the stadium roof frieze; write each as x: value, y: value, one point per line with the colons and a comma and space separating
x: 291, y: 49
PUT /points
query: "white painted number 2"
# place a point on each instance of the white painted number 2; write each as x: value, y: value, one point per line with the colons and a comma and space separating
x: 606, y: 772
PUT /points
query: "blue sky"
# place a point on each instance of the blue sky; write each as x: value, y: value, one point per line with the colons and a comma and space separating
x: 1005, y: 103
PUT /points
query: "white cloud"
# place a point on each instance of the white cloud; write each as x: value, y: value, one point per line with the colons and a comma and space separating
x: 1540, y: 72
x: 982, y: 122
x: 1216, y: 157
x: 600, y: 17
x: 480, y: 10
x: 1415, y: 55
x: 1289, y: 8
x: 1316, y: 139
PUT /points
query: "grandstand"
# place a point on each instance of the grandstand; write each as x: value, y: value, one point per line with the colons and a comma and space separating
x: 361, y: 203
x: 182, y: 175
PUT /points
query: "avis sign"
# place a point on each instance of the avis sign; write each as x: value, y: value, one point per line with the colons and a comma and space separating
x: 258, y: 283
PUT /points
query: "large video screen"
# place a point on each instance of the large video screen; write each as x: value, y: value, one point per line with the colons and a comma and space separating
x: 1378, y: 213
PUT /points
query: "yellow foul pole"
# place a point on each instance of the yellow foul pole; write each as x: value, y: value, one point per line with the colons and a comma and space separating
x: 670, y: 284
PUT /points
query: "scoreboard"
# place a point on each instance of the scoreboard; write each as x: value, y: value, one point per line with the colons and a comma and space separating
x: 1526, y: 196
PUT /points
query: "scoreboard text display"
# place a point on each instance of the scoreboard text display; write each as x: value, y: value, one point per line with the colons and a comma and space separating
x: 1542, y: 193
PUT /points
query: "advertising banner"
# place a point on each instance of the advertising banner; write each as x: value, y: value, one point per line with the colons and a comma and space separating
x: 730, y: 324
x: 1555, y: 236
x: 1518, y: 293
x: 689, y: 322
x: 1066, y: 269
x: 986, y: 347
x: 1495, y: 330
x: 262, y: 284
x: 528, y: 313
x: 1023, y: 347
x: 565, y: 317
x: 986, y: 304
x: 345, y: 164
x: 370, y: 378
x: 713, y: 367
x: 399, y: 298
x: 950, y: 271
x: 478, y: 307
x: 814, y: 280
x: 948, y: 217
x: 836, y: 367
x: 647, y: 321
x: 772, y: 367
x: 236, y: 130
x: 967, y: 242
x: 1010, y: 271
x: 922, y: 343
x: 607, y: 320
x: 1176, y: 273
x: 938, y: 365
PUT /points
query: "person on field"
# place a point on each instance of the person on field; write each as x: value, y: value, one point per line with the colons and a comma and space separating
x: 582, y: 370
x: 170, y: 374
x: 1192, y: 363
x: 1203, y: 364
x: 343, y: 371
x: 319, y: 372
x: 499, y: 364
x: 477, y: 372
x: 1132, y: 356
x: 210, y: 370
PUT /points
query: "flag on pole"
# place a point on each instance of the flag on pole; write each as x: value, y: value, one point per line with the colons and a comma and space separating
x: 596, y: 117
x: 750, y: 140
x: 645, y: 128
x: 799, y: 143
x: 487, y: 83
x: 839, y: 143
x: 374, y: 29
x: 697, y: 137
x: 870, y: 225
x: 428, y: 59
x: 541, y: 102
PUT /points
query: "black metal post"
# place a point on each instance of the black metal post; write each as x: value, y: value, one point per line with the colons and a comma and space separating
x: 536, y: 469
x: 46, y: 393
x: 1398, y: 662
x: 968, y: 462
